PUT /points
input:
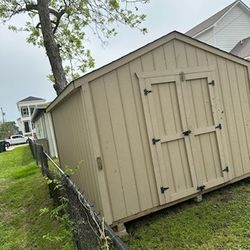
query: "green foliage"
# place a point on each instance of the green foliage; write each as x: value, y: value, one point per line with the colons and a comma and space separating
x: 23, y: 192
x: 72, y: 170
x: 7, y: 129
x: 60, y: 214
x: 70, y: 21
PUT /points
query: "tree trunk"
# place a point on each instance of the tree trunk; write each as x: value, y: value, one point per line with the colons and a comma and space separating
x: 51, y: 47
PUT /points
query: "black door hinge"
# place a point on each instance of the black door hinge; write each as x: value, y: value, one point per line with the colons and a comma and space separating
x: 212, y: 83
x: 163, y: 189
x: 226, y: 169
x: 146, y: 91
x: 186, y: 133
x: 219, y: 126
x: 154, y: 141
x: 201, y: 188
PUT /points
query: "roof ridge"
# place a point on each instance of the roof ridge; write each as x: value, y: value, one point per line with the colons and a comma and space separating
x: 31, y: 98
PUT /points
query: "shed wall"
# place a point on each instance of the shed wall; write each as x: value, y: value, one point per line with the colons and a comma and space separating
x: 121, y: 122
x: 74, y: 145
x: 44, y: 130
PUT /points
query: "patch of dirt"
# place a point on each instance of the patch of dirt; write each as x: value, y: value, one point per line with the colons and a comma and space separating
x: 226, y: 196
x: 6, y: 216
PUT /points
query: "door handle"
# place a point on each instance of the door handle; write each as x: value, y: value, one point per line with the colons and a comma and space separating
x: 187, y: 132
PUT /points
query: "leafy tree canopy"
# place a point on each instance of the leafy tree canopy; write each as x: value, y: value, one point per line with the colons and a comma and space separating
x: 69, y: 21
x: 7, y: 129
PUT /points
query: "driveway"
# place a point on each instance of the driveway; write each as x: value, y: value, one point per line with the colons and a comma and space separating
x: 15, y: 146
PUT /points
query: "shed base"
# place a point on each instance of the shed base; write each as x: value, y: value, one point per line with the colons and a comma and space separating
x: 198, y: 198
x: 158, y: 208
x: 121, y: 230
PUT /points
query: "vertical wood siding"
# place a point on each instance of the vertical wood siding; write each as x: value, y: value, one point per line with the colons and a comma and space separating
x: 115, y: 99
x: 74, y: 146
x: 123, y: 134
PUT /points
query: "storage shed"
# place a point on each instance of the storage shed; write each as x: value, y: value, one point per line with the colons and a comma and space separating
x: 160, y: 125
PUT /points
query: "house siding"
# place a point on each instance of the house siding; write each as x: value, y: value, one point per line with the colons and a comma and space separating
x: 232, y: 28
x: 207, y: 37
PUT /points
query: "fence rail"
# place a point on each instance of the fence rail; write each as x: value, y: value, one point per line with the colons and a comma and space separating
x: 91, y: 231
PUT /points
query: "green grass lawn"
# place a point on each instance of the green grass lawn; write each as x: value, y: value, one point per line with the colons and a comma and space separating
x: 23, y: 192
x: 220, y: 221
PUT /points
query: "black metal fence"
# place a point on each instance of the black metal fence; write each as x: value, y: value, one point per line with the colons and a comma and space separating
x: 90, y: 231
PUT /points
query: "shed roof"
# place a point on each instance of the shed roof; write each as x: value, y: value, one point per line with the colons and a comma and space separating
x: 31, y: 98
x: 39, y: 110
x: 213, y: 19
x: 139, y: 52
x: 242, y: 48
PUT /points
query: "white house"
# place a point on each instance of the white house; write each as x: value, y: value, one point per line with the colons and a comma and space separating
x: 44, y: 129
x: 26, y: 108
x: 228, y: 29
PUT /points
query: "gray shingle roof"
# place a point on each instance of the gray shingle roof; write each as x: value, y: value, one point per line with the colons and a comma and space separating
x: 242, y: 48
x: 210, y: 21
x: 31, y: 98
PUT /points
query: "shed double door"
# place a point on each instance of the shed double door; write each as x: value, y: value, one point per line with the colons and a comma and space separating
x: 185, y: 132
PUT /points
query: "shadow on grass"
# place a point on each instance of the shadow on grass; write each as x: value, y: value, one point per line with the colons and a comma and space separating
x: 24, y: 172
x: 26, y: 156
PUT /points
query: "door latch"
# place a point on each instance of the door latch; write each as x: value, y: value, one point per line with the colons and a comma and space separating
x: 186, y: 133
x: 182, y: 76
x: 163, y: 189
x: 99, y: 163
x: 154, y: 141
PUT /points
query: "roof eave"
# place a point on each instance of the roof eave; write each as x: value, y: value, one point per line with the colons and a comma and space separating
x: 203, y: 31
x: 236, y: 3
x: 37, y: 113
x: 137, y: 53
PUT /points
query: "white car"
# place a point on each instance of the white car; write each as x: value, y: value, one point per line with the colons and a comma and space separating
x: 16, y: 139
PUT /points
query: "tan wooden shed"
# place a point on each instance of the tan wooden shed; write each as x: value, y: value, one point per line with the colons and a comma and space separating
x: 160, y: 125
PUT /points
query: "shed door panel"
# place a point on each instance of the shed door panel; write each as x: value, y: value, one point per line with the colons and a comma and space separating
x: 206, y: 142
x: 170, y: 127
x: 174, y: 105
x: 172, y: 156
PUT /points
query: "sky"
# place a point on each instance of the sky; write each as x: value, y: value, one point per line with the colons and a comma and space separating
x: 24, y: 68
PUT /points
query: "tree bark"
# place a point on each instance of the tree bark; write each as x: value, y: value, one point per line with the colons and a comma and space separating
x: 51, y: 46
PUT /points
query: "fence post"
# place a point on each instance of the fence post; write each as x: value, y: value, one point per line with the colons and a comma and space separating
x: 36, y: 153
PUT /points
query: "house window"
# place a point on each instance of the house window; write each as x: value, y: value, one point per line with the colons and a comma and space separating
x: 24, y: 111
x: 32, y: 110
x: 26, y: 127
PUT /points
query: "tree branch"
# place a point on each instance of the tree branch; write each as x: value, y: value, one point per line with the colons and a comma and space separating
x: 58, y: 18
x: 30, y: 7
